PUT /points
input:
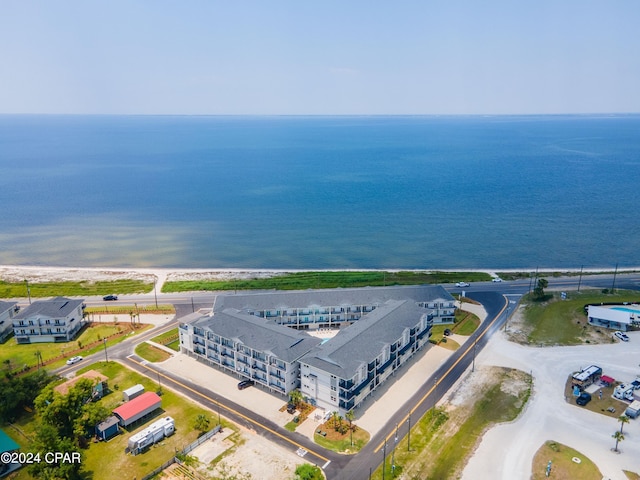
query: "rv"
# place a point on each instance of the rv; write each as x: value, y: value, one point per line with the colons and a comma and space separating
x: 150, y: 435
x: 624, y: 391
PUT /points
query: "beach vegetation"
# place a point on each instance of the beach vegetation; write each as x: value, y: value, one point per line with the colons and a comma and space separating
x: 72, y: 289
x: 325, y: 279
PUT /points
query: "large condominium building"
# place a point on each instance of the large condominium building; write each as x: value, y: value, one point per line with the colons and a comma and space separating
x: 380, y: 328
x: 55, y: 320
x: 7, y: 311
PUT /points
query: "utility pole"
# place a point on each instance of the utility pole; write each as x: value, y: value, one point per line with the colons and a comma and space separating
x: 580, y: 280
x: 155, y: 280
x: 384, y: 458
x: 106, y: 358
x: 409, y: 434
x: 28, y: 290
x: 613, y: 287
x: 473, y: 361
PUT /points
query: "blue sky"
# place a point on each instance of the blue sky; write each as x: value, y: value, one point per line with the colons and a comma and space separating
x: 329, y: 57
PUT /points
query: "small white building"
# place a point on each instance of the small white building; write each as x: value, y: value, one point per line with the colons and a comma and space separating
x: 55, y: 320
x: 132, y: 392
x: 616, y: 317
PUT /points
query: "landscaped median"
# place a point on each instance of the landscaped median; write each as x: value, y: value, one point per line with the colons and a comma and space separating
x: 563, y: 463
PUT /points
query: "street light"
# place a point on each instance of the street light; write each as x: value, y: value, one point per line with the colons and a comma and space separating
x: 409, y: 434
x: 106, y: 358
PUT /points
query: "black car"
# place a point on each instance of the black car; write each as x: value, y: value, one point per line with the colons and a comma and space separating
x: 244, y: 384
x: 447, y: 332
x: 291, y: 408
x: 107, y: 298
x: 583, y: 399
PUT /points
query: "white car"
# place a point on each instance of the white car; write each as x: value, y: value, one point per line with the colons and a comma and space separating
x: 622, y: 336
x: 73, y: 360
x: 462, y: 284
x: 496, y: 279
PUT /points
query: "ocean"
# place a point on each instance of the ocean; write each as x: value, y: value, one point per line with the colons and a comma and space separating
x: 397, y: 192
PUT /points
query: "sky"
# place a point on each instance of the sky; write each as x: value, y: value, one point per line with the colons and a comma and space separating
x: 327, y: 57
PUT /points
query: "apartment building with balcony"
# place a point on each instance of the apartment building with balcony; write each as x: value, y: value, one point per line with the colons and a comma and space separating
x: 7, y: 312
x: 339, y: 374
x: 250, y: 347
x: 55, y: 320
x: 379, y: 329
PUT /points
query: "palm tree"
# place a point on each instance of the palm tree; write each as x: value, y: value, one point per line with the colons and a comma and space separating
x: 337, y: 420
x: 619, y: 437
x: 295, y: 396
x: 350, y: 416
x: 623, y: 419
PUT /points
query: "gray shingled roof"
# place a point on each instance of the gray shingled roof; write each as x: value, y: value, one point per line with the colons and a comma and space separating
x: 285, y: 343
x: 330, y: 297
x: 362, y: 341
x: 4, y: 306
x: 55, y: 308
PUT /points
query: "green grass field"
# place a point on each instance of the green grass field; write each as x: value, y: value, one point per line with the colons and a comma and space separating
x: 563, y: 322
x: 25, y: 354
x: 344, y: 279
x: 151, y: 353
x: 73, y: 289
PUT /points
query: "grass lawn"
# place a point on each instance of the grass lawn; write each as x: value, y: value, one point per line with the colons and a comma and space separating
x: 25, y: 354
x: 442, y: 442
x: 107, y: 459
x: 563, y: 322
x: 449, y: 344
x: 73, y: 289
x: 151, y: 353
x: 305, y: 280
x: 341, y: 442
x: 119, y: 309
x: 169, y: 339
x: 562, y: 465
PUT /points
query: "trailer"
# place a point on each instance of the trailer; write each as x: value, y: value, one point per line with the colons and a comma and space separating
x: 150, y: 435
x: 633, y: 410
x: 624, y: 391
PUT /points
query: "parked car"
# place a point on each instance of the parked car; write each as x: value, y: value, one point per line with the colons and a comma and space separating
x: 73, y: 360
x: 496, y: 279
x: 583, y: 399
x: 244, y: 384
x: 447, y: 332
x: 107, y: 298
x: 621, y: 336
x: 462, y: 284
x: 291, y: 408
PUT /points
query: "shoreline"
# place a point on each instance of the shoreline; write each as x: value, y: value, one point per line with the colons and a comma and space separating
x: 160, y: 275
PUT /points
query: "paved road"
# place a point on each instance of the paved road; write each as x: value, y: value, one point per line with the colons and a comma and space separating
x: 498, y: 299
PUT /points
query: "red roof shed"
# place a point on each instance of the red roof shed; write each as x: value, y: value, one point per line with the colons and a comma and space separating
x: 137, y: 408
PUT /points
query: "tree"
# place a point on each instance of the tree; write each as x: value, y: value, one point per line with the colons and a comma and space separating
x: 295, y: 397
x: 538, y: 292
x: 337, y: 421
x: 618, y: 437
x: 201, y: 423
x: 47, y: 439
x: 350, y: 416
x: 623, y: 419
x: 91, y: 414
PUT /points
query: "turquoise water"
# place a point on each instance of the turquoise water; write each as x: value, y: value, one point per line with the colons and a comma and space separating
x: 320, y: 192
x: 630, y: 310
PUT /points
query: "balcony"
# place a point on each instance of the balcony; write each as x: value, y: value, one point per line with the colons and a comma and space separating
x: 259, y: 367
